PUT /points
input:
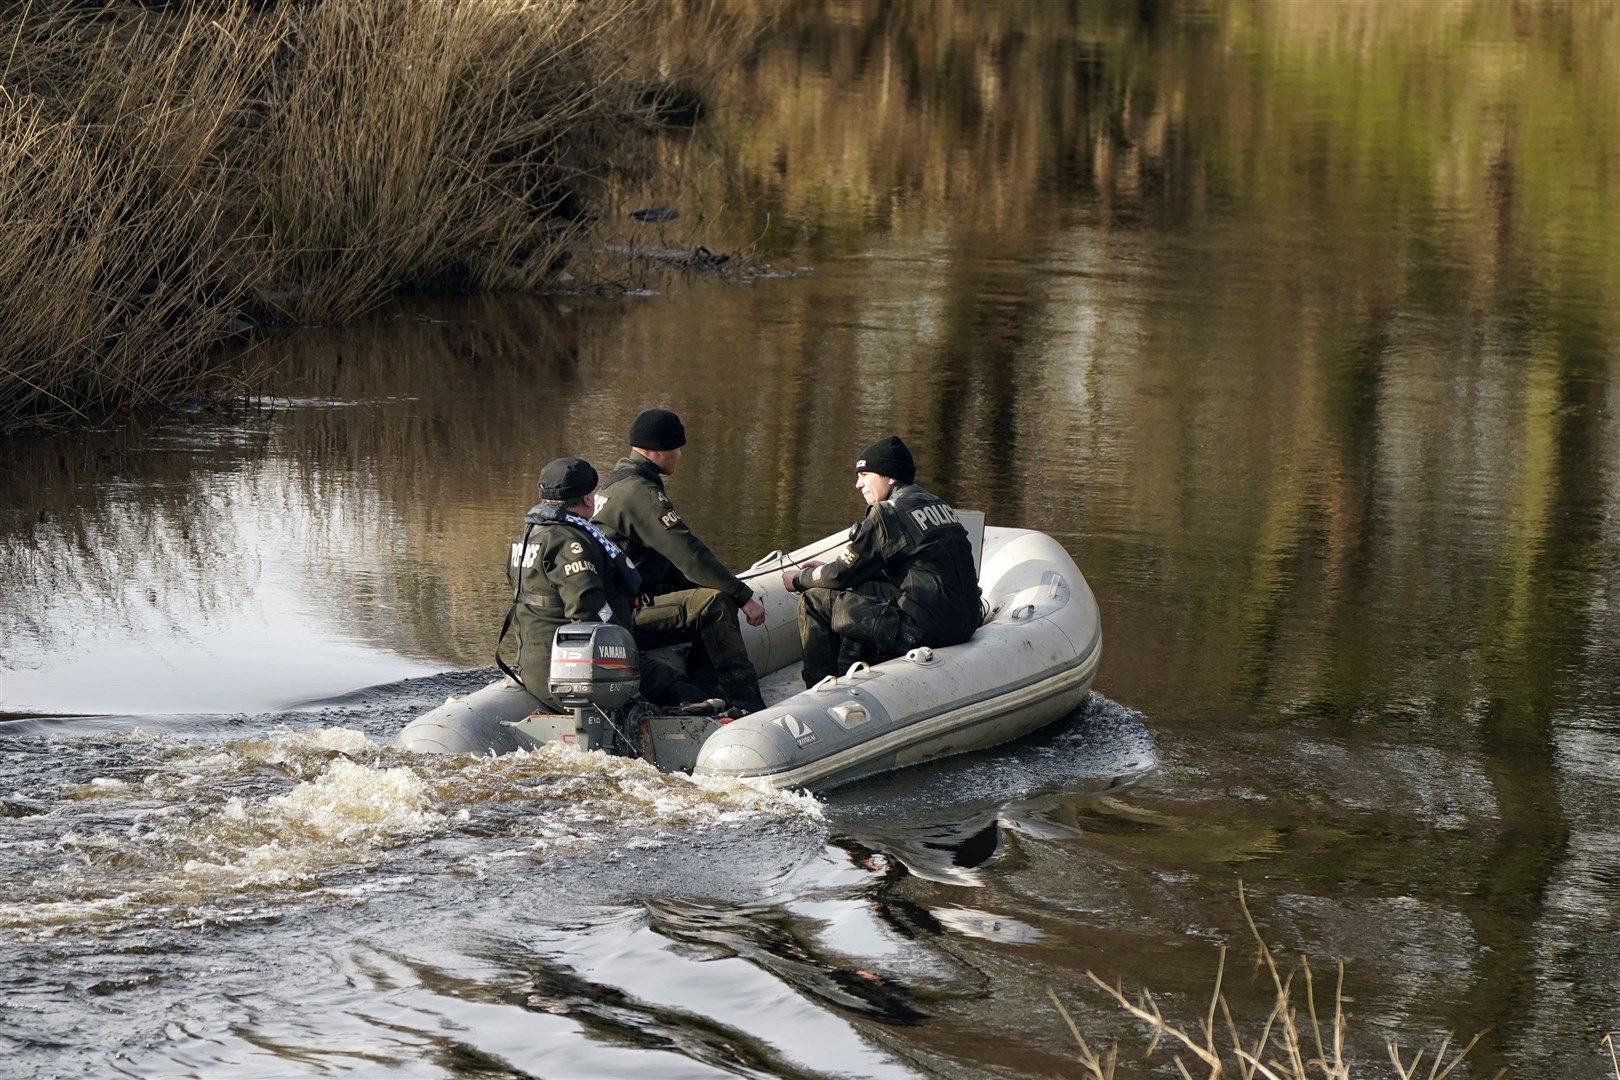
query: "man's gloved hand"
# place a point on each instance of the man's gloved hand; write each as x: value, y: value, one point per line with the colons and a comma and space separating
x: 790, y: 578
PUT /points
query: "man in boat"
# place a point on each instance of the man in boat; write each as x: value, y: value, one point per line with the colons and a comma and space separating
x: 694, y: 597
x: 564, y: 570
x: 906, y: 580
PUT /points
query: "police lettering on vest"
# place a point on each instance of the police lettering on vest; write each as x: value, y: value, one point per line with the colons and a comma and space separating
x: 927, y: 517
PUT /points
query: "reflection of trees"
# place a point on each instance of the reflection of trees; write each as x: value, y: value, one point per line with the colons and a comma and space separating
x: 914, y: 116
x: 409, y: 450
x: 1550, y: 570
x: 395, y: 474
x: 78, y: 552
x: 1315, y: 303
x: 908, y: 117
x: 1422, y: 200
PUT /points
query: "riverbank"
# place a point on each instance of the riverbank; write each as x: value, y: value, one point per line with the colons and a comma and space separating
x: 174, y: 178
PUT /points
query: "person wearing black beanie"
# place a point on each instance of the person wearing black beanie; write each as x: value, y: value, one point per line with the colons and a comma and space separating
x: 906, y: 579
x: 694, y: 597
x: 657, y: 429
x: 888, y: 457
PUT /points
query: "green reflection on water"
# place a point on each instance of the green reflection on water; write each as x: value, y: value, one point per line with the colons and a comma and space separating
x: 1297, y: 322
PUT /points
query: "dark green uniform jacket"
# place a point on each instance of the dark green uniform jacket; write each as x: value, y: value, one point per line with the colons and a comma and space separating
x: 632, y: 508
x: 913, y: 540
x: 560, y: 575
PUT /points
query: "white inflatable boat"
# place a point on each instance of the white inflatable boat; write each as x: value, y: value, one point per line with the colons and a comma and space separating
x: 1030, y: 663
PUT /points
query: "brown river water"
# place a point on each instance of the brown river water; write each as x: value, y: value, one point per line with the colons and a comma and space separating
x: 1298, y: 324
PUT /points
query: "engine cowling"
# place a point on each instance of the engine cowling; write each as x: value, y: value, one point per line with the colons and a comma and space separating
x: 594, y: 664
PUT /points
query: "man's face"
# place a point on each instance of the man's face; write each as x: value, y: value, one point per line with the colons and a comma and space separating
x: 666, y: 460
x: 873, y: 488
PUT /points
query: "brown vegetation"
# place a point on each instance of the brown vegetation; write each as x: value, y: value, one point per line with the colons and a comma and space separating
x: 167, y: 172
x: 1286, y: 1046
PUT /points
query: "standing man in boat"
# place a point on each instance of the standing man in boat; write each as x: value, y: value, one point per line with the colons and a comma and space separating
x: 694, y: 597
x: 906, y: 580
x: 564, y: 570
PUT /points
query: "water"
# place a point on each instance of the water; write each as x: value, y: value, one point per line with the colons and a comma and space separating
x: 1295, y: 323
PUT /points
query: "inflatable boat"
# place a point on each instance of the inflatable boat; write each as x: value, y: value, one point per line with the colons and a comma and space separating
x: 1031, y: 662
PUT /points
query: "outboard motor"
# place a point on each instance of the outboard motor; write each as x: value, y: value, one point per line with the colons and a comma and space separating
x: 595, y: 671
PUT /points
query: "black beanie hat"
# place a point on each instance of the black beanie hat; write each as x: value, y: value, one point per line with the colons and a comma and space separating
x: 657, y: 429
x: 566, y: 480
x: 888, y: 457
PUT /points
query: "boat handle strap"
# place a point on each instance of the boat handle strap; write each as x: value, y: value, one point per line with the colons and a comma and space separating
x: 859, y: 667
x: 775, y: 555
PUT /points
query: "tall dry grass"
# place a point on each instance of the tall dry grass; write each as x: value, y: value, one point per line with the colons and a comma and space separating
x: 1287, y: 1045
x: 419, y: 144
x: 164, y: 171
x: 121, y: 254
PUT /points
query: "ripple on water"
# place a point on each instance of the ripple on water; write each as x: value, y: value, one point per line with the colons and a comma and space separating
x: 171, y: 830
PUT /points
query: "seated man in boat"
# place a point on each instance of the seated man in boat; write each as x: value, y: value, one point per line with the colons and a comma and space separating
x: 694, y: 597
x: 906, y: 580
x: 564, y: 570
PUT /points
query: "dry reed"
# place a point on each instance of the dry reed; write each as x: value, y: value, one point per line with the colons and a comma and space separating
x: 418, y: 144
x: 1285, y: 1047
x: 165, y: 171
x: 119, y: 265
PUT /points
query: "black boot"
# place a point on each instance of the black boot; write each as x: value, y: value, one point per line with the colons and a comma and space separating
x: 744, y: 694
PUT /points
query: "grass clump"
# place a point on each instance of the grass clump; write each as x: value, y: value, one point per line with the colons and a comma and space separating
x: 171, y: 174
x: 120, y: 263
x: 424, y: 144
x: 1286, y: 1045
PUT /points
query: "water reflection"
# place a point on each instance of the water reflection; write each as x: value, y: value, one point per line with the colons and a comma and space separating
x: 1297, y: 323
x: 948, y: 823
x: 769, y: 939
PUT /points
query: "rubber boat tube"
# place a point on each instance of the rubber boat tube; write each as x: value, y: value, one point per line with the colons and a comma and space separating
x: 1030, y: 663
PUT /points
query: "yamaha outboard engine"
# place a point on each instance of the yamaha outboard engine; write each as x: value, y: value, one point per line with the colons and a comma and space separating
x: 595, y: 671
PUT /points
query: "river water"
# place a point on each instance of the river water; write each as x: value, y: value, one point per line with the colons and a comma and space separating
x: 1298, y: 324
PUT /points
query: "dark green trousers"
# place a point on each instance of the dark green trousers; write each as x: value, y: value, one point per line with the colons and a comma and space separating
x: 840, y: 626
x: 708, y: 619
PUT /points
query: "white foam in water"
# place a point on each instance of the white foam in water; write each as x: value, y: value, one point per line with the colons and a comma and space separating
x: 346, y: 740
x: 351, y: 801
x: 756, y: 793
x: 302, y: 810
x: 343, y: 817
x: 614, y: 789
x: 49, y: 916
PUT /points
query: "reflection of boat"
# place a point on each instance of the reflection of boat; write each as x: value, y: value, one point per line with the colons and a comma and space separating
x: 1031, y: 662
x: 949, y: 824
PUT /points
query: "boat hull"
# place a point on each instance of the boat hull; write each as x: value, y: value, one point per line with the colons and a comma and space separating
x: 1031, y: 663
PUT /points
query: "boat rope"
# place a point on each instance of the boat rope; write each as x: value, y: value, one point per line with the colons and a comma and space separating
x: 511, y: 612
